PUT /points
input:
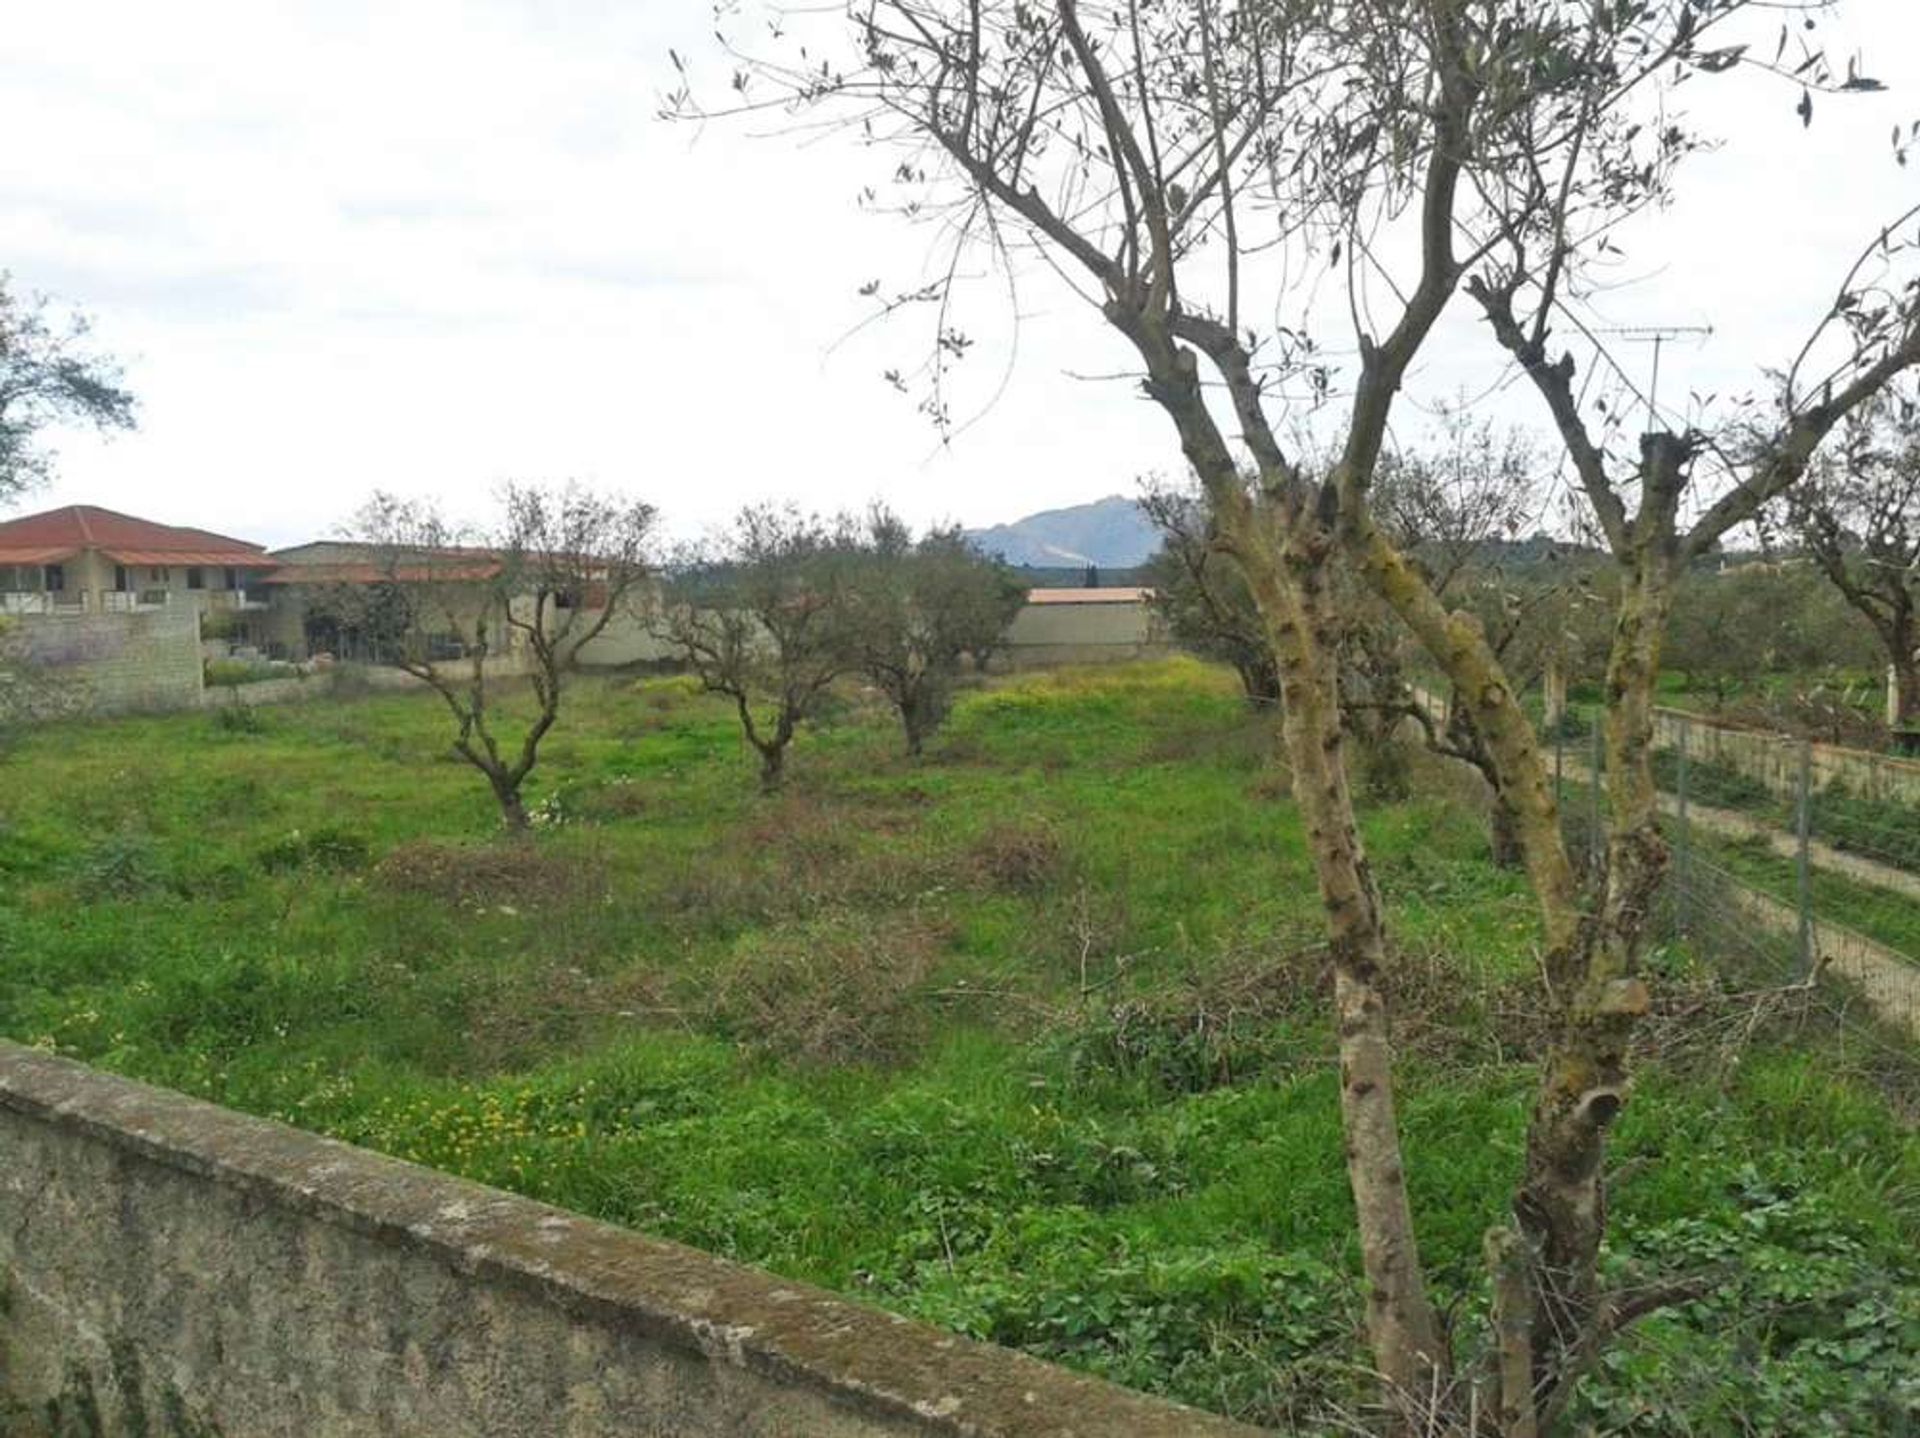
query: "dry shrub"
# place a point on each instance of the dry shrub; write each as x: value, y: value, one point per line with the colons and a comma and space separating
x: 715, y: 892
x: 477, y: 875
x: 1224, y: 1025
x: 1250, y: 1015
x: 846, y: 991
x: 553, y: 1008
x: 1021, y: 857
x: 1447, y: 1010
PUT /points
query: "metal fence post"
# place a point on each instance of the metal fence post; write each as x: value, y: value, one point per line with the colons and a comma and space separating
x: 1803, y: 831
x: 1683, y: 839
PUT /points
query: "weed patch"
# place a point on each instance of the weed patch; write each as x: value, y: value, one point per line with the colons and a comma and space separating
x: 1022, y: 857
x: 488, y: 875
x: 837, y: 992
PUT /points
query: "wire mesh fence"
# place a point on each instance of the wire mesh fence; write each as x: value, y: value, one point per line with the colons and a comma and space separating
x: 1788, y: 858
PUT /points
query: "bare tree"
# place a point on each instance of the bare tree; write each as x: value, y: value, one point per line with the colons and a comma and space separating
x: 48, y: 377
x: 919, y: 610
x: 1161, y: 156
x: 764, y: 620
x: 1858, y: 516
x: 456, y: 606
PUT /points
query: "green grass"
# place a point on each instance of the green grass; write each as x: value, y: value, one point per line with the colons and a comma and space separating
x: 1028, y: 1039
x: 1884, y: 915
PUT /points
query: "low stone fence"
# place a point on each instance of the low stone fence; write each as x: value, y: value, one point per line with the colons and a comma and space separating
x: 1774, y: 759
x: 171, y: 1267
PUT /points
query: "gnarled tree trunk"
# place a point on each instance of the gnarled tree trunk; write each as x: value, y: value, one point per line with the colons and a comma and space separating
x: 1403, y: 1329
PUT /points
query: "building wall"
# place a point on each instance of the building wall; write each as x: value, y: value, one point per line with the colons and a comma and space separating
x: 149, y: 659
x: 175, y: 1268
x: 1083, y: 633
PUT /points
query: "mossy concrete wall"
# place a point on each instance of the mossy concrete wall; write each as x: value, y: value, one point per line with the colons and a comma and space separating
x: 171, y: 1267
x: 1774, y: 759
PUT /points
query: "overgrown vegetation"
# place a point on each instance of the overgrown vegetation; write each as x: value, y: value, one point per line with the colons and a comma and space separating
x: 1032, y: 1039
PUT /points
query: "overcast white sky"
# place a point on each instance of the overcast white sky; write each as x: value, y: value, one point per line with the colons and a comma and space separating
x: 433, y: 244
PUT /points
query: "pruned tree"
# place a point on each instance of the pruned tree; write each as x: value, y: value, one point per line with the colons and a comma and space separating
x: 764, y: 618
x: 475, y: 613
x: 918, y: 611
x: 1659, y: 500
x: 1858, y: 516
x: 48, y: 377
x: 1166, y: 157
x: 1200, y: 593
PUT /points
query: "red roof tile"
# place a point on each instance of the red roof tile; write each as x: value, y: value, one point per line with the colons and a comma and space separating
x: 193, y: 558
x: 35, y: 553
x: 87, y: 526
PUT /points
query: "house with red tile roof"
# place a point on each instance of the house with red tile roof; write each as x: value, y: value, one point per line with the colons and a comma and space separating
x: 85, y: 559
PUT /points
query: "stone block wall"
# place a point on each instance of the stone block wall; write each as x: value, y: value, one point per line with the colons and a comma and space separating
x: 148, y: 659
x: 174, y: 1268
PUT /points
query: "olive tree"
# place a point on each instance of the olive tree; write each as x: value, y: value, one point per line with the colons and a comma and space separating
x: 1195, y: 168
x: 1858, y: 516
x: 921, y: 609
x: 476, y: 614
x: 763, y: 617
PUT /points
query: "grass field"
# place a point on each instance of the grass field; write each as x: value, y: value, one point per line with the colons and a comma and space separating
x: 1027, y: 1039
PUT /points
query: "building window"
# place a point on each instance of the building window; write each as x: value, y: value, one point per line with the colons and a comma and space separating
x: 196, y: 577
x: 233, y: 578
x: 122, y: 581
x: 53, y: 578
x: 159, y: 575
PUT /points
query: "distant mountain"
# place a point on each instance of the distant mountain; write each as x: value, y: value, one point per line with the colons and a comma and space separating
x: 1112, y: 533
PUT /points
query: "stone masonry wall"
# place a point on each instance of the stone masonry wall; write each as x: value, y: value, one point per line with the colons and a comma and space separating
x: 148, y: 659
x: 174, y: 1268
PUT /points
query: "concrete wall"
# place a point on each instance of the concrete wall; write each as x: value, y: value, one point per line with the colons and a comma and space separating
x: 119, y: 662
x: 175, y: 1268
x: 343, y: 681
x: 1082, y: 634
x: 1774, y: 760
x: 628, y: 639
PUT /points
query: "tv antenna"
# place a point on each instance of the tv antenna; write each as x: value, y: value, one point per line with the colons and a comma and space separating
x: 1657, y: 336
